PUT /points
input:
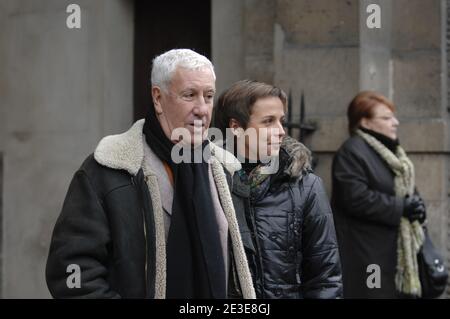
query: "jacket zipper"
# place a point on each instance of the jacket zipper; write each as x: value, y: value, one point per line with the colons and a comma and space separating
x: 296, y: 235
x: 258, y: 248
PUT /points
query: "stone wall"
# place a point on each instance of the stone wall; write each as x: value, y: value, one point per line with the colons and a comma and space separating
x: 61, y: 90
x: 325, y: 49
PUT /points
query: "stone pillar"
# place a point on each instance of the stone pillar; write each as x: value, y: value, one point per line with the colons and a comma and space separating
x: 317, y: 52
x: 61, y: 91
x: 242, y: 40
x: 228, y: 42
x: 375, y: 49
x: 259, y: 20
x: 420, y: 94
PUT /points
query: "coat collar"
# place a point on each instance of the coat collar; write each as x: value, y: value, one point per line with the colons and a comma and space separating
x: 126, y: 151
x: 299, y: 157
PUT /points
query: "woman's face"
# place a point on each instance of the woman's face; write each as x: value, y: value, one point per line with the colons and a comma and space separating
x: 264, y: 133
x: 383, y: 121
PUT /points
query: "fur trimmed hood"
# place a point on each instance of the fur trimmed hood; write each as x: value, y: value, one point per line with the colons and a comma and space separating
x: 126, y: 151
x: 298, y: 157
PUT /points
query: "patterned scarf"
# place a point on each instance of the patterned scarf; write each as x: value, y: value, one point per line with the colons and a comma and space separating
x: 411, y: 235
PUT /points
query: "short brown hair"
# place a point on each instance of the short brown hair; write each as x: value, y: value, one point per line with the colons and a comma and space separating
x: 362, y: 106
x: 237, y: 102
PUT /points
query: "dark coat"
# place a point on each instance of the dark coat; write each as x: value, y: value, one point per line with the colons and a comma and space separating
x: 288, y: 231
x: 367, y: 216
x: 104, y: 204
x: 108, y: 226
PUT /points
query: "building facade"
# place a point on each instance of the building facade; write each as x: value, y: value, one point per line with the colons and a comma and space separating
x: 62, y: 90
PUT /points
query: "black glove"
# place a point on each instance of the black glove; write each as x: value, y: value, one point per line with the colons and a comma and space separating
x: 414, y: 208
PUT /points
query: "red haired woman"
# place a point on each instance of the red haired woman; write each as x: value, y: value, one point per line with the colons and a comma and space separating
x: 377, y: 209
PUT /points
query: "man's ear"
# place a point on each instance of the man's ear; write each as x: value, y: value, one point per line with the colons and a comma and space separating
x: 156, y: 96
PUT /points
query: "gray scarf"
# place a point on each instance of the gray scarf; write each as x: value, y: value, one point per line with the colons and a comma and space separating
x: 411, y: 235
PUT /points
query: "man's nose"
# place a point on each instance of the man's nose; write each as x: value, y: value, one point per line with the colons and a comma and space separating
x: 201, y: 108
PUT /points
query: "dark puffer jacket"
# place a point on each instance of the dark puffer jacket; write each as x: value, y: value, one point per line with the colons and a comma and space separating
x: 288, y: 230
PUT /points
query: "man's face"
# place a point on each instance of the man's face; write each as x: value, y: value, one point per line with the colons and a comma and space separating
x: 189, y: 101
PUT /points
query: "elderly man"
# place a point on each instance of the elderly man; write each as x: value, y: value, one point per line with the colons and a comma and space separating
x: 137, y: 224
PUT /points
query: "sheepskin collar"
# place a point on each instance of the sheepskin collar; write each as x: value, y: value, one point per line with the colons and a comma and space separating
x: 126, y: 151
x: 299, y: 157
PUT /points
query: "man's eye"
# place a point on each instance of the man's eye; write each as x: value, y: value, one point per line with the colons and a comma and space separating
x: 188, y: 95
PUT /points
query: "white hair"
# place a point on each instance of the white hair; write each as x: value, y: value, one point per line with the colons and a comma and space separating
x: 164, y: 65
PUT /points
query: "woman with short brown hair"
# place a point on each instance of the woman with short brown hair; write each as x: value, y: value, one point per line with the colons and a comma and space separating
x: 286, y: 221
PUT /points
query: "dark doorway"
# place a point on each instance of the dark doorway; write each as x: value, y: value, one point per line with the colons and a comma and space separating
x: 161, y: 26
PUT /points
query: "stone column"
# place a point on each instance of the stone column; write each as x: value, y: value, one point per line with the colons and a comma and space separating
x: 375, y: 49
x: 228, y: 45
x: 317, y: 52
x: 420, y: 94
